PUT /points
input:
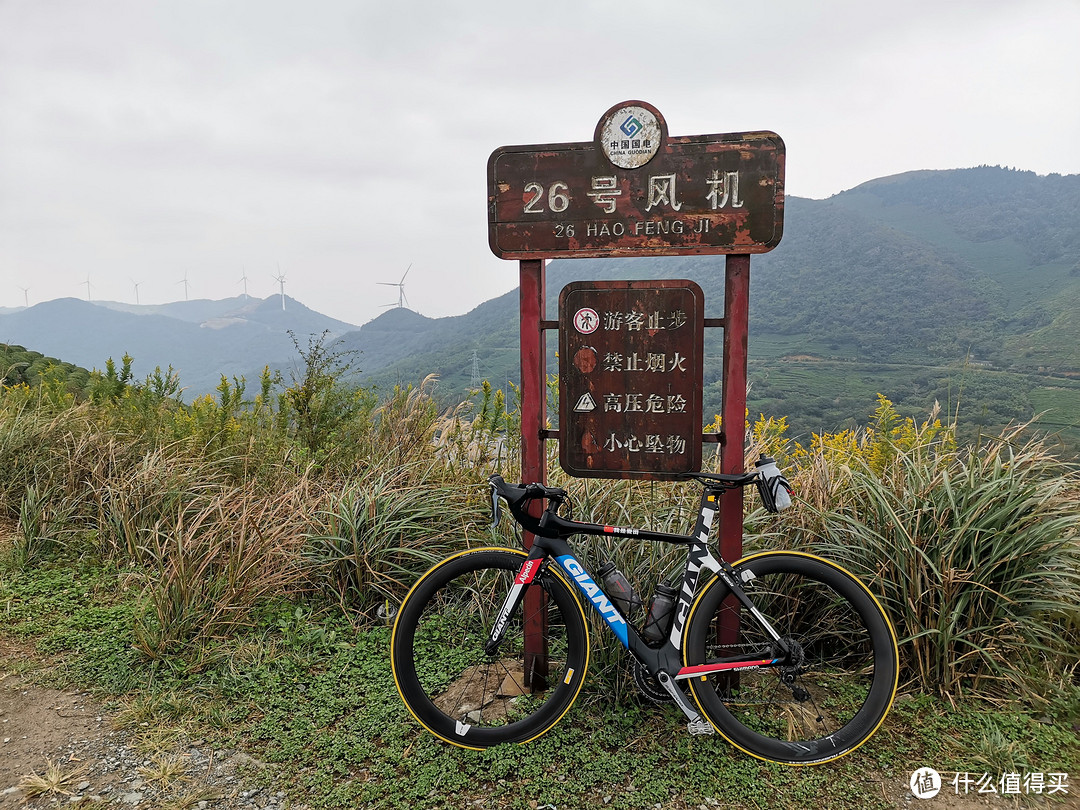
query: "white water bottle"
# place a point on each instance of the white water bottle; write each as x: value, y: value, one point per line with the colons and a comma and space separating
x: 774, y: 488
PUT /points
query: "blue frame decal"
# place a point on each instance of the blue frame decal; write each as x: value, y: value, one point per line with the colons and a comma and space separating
x: 596, y: 596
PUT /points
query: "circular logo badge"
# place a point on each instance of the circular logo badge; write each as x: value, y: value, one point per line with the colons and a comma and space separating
x: 630, y: 136
x: 925, y: 783
x: 586, y: 320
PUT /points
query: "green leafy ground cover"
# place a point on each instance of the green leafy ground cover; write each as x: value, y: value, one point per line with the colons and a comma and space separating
x: 312, y: 695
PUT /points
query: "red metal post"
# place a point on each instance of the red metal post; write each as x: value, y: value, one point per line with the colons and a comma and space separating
x: 733, y: 407
x: 733, y: 435
x: 533, y: 374
x: 533, y: 462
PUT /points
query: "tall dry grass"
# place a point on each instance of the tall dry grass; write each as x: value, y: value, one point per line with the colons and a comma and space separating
x: 221, y: 505
x: 212, y: 564
x: 975, y: 552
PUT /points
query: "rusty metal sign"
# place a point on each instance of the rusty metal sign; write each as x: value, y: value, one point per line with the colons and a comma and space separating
x: 635, y: 191
x: 630, y: 378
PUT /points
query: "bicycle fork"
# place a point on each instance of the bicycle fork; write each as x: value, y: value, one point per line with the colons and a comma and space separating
x: 529, y: 569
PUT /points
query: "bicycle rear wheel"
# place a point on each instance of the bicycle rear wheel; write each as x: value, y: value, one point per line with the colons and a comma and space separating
x: 836, y: 692
x: 453, y: 688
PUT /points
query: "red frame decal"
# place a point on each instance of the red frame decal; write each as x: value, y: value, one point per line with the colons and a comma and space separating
x: 527, y: 573
x: 709, y: 669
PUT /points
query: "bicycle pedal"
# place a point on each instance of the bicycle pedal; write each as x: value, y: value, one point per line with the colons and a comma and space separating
x: 699, y: 727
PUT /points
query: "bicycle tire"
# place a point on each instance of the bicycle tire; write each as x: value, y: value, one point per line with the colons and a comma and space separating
x: 838, y: 695
x: 456, y: 691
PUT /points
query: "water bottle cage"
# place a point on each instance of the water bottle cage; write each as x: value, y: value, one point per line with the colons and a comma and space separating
x: 768, y: 488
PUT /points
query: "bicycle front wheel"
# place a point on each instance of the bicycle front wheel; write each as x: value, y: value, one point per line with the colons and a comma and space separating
x: 465, y: 696
x: 839, y: 680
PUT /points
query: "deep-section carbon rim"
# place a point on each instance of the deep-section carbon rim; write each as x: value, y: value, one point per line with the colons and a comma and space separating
x: 451, y: 686
x: 829, y: 701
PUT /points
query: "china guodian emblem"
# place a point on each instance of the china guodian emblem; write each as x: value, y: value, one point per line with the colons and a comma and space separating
x: 630, y: 136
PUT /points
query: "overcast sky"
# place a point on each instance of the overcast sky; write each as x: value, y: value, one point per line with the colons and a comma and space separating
x: 145, y: 141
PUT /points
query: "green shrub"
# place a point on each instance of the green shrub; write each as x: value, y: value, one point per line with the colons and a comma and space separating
x: 974, y: 551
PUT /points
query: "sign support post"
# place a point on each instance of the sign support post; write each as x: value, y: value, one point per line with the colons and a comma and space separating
x: 533, y: 456
x: 733, y: 400
x: 733, y: 431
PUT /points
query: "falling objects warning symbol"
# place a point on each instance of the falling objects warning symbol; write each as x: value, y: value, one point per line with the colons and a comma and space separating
x: 585, y: 403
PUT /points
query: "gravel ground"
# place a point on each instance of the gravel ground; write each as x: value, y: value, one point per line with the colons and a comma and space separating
x: 107, y: 766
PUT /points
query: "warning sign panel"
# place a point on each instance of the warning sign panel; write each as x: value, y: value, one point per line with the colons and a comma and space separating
x: 630, y: 378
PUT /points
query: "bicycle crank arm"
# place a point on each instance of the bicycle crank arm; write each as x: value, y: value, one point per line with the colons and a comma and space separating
x: 696, y: 724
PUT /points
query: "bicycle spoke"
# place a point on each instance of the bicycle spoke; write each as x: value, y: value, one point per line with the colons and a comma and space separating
x: 827, y: 693
x: 453, y: 686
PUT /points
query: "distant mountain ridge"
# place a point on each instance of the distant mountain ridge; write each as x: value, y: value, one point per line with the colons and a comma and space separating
x: 950, y: 286
x: 202, y: 339
x: 884, y: 271
x: 959, y: 286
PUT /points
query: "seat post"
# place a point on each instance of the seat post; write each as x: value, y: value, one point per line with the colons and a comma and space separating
x: 710, y: 502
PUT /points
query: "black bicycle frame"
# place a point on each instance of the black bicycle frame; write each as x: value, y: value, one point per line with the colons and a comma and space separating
x: 656, y: 660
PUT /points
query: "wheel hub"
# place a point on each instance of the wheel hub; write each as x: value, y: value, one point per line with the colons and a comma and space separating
x: 794, y: 657
x: 792, y: 668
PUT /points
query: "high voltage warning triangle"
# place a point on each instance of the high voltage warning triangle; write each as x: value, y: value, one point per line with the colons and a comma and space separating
x: 585, y: 403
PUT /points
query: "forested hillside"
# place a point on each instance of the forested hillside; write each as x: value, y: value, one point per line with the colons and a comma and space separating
x: 961, y: 287
x: 19, y: 366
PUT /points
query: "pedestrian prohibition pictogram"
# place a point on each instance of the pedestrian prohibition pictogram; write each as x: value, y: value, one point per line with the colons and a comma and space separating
x: 586, y: 320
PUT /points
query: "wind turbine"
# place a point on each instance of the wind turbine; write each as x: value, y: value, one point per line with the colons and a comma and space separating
x: 402, y: 300
x: 244, y: 280
x: 280, y: 279
x: 136, y: 285
x: 26, y: 296
x: 184, y: 281
x: 87, y: 283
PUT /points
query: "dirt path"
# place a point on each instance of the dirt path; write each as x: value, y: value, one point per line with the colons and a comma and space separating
x: 97, y: 764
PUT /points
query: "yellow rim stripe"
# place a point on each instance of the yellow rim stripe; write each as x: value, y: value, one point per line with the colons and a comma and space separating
x: 518, y: 552
x: 888, y: 624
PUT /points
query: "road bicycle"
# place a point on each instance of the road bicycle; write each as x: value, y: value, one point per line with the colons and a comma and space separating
x: 787, y: 655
